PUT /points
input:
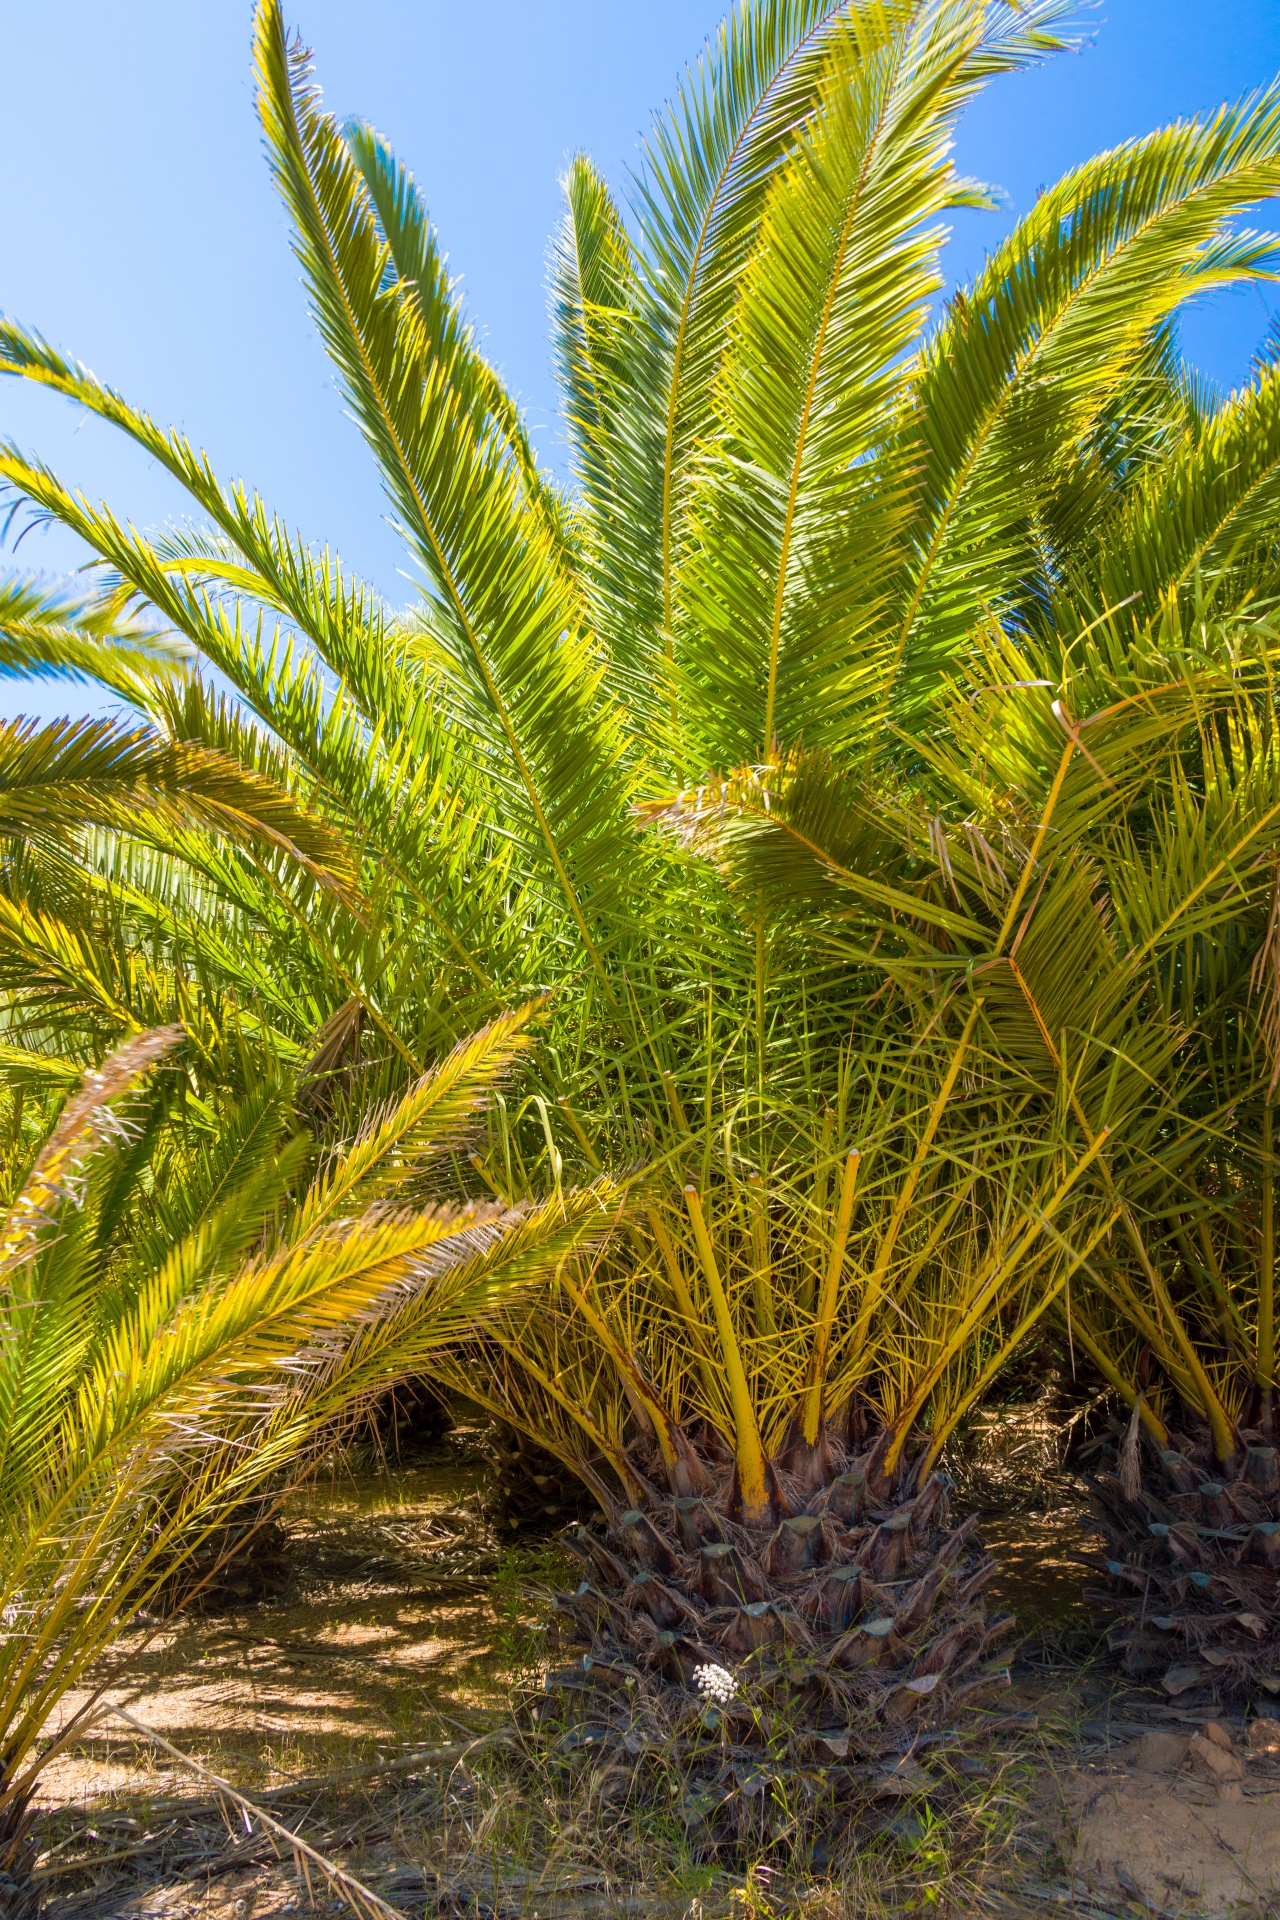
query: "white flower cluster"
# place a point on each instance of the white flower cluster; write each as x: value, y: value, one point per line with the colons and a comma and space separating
x: 715, y: 1683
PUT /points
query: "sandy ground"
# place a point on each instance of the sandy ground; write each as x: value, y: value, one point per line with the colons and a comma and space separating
x: 394, y: 1635
x: 397, y: 1625
x: 1174, y: 1843
x: 1154, y: 1812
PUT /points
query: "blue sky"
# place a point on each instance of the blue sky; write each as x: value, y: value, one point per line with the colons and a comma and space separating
x: 139, y: 230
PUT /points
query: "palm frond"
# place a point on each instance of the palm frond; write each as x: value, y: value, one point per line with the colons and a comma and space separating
x: 1033, y: 352
x: 524, y: 669
x: 56, y: 780
x: 62, y: 636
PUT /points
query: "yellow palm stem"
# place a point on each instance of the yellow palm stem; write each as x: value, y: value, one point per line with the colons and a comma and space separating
x: 1267, y: 1276
x: 1010, y: 1345
x: 1208, y: 1264
x: 830, y: 1298
x: 1214, y: 1411
x: 760, y: 978
x: 911, y: 1273
x: 967, y: 1327
x: 684, y: 1303
x: 849, y: 1377
x: 1121, y: 1295
x: 637, y: 1389
x: 593, y: 1158
x: 807, y: 1284
x: 1114, y: 1378
x: 492, y: 1403
x: 876, y: 1278
x: 748, y: 1448
x: 762, y: 1267
x: 673, y: 1098
x: 1024, y: 878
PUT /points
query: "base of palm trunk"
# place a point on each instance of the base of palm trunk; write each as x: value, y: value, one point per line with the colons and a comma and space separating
x: 530, y: 1491
x: 409, y: 1419
x: 1191, y: 1568
x: 237, y: 1566
x: 761, y: 1674
x: 20, y: 1897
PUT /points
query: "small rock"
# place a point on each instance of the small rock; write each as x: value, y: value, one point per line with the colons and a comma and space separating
x: 1179, y: 1679
x: 1220, y: 1735
x: 1210, y: 1762
x: 1264, y: 1734
x: 1158, y: 1752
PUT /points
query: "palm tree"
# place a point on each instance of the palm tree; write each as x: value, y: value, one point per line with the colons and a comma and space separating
x: 184, y: 1316
x: 1179, y: 1316
x: 1110, y: 884
x: 798, y: 512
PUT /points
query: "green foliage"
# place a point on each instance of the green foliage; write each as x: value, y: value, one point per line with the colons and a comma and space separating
x: 189, y: 1302
x: 929, y: 1011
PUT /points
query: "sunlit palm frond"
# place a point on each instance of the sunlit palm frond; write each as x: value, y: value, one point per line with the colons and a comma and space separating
x: 255, y: 555
x: 62, y: 636
x: 799, y: 517
x: 1032, y: 353
x: 154, y: 1375
x: 525, y: 670
x: 58, y: 779
x: 712, y: 164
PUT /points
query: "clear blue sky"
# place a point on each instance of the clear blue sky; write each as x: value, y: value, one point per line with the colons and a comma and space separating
x: 139, y: 231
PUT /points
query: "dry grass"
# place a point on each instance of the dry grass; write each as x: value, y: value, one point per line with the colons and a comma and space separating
x: 496, y: 1839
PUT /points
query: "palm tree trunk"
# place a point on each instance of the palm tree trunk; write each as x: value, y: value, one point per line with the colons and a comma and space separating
x: 844, y: 1627
x: 1191, y: 1563
x: 531, y: 1491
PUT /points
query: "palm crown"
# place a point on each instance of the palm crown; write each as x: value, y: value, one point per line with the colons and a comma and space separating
x: 793, y: 505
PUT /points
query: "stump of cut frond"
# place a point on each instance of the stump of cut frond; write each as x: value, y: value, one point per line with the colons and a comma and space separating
x: 1192, y: 1568
x: 758, y: 1676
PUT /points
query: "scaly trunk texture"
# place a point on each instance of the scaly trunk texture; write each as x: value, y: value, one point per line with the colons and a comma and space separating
x: 409, y: 1419
x: 19, y: 1895
x: 774, y: 1669
x: 530, y: 1490
x: 1194, y: 1555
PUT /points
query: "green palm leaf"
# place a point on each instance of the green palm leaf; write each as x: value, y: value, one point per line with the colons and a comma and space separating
x: 525, y: 671
x: 1033, y: 353
x: 58, y: 779
x: 147, y: 1391
x: 59, y: 636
